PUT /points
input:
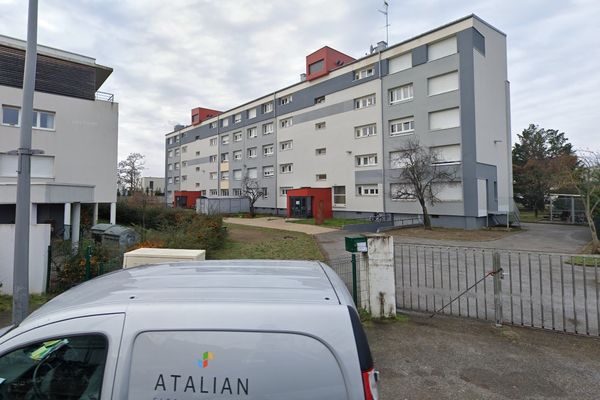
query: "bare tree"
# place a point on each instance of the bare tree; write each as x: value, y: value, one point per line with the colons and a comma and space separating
x: 251, y: 191
x: 420, y: 176
x: 585, y: 178
x: 130, y: 172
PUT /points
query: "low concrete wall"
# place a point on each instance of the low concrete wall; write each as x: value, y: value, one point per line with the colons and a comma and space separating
x: 39, y: 240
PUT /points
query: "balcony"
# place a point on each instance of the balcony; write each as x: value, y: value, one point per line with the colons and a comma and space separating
x: 103, y: 96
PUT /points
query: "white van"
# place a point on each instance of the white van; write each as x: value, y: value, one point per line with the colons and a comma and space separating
x: 243, y: 329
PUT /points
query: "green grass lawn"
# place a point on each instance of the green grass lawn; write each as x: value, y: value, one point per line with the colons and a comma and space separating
x: 248, y: 242
x: 35, y: 301
x: 332, y: 223
x: 588, y: 261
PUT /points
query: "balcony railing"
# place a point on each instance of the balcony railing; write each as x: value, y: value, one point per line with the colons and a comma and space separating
x: 103, y: 96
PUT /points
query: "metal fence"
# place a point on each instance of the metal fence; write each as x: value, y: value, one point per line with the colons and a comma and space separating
x: 551, y: 291
x: 68, y: 267
x: 343, y: 267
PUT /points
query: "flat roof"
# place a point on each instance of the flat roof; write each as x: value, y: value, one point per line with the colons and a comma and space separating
x: 102, y: 72
x: 232, y: 281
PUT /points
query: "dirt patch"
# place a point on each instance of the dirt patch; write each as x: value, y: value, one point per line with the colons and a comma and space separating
x: 480, y: 235
x: 248, y: 234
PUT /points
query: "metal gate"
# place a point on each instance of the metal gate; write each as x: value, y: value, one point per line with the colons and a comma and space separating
x: 343, y: 267
x: 543, y: 290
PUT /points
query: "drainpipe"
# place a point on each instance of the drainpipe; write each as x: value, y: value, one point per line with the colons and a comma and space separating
x: 383, y: 98
x: 275, y: 144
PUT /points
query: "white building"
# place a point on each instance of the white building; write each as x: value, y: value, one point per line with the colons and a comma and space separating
x: 75, y: 128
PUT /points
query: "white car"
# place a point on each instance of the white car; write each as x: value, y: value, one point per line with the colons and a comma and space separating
x: 243, y: 329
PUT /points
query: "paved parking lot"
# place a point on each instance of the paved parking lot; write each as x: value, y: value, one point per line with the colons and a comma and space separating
x: 457, y: 358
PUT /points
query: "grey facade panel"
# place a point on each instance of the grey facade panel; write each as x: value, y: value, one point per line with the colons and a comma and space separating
x: 198, y: 161
x: 467, y: 121
x: 419, y: 55
x: 324, y: 112
x: 368, y: 176
x: 478, y: 41
x: 490, y: 174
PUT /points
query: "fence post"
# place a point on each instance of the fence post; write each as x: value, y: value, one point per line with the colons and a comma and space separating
x: 354, y: 281
x: 88, y: 263
x: 49, y: 268
x: 497, y: 288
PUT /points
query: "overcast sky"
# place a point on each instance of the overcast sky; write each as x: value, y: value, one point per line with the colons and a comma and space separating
x: 171, y: 56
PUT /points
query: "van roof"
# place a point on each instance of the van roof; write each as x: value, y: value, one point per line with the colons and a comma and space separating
x: 243, y: 281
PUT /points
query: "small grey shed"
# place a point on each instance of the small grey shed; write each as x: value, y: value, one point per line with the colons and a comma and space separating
x: 115, y: 235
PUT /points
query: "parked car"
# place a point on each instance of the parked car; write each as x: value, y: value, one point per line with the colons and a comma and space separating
x: 243, y: 329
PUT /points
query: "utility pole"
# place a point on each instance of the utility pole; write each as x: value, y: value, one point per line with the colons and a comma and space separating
x: 387, y: 25
x: 23, y: 207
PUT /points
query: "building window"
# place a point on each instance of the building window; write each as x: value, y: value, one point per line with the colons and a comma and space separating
x: 402, y: 192
x: 267, y: 129
x: 184, y: 163
x: 176, y: 139
x: 170, y: 153
x: 237, y: 155
x: 316, y: 66
x: 224, y: 157
x: 441, y: 49
x: 224, y: 175
x: 364, y: 102
x: 286, y: 168
x: 252, y: 132
x: 287, y: 145
x: 43, y: 120
x: 170, y: 167
x: 267, y: 107
x: 169, y: 140
x: 237, y: 118
x: 170, y: 180
x: 225, y: 192
x: 402, y: 93
x: 285, y: 123
x: 366, y: 160
x: 197, y: 169
x: 320, y: 125
x: 442, y: 83
x: 252, y: 113
x: 237, y: 174
x: 339, y: 196
x: 444, y: 119
x: 398, y: 159
x: 321, y: 177
x: 184, y: 178
x: 237, y: 192
x: 213, y: 125
x: 237, y: 137
x: 400, y: 63
x: 176, y: 179
x: 213, y: 176
x: 176, y: 152
x: 283, y: 190
x: 268, y: 150
x: 197, y: 184
x: 212, y: 159
x: 265, y: 192
x: 365, y: 131
x: 285, y: 100
x: 197, y: 137
x: 364, y: 73
x: 184, y: 149
x: 225, y: 139
x: 403, y: 126
x: 321, y: 152
x: 367, y: 190
x: 213, y: 141
x: 447, y: 154
x: 268, y: 171
x: 320, y: 100
x: 225, y: 122
x: 197, y: 153
x: 251, y: 152
x: 252, y: 173
x: 176, y: 166
x: 214, y: 192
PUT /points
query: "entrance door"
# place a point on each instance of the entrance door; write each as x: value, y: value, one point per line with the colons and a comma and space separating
x: 301, y: 207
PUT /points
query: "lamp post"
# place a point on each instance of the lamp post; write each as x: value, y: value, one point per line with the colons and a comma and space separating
x: 23, y: 206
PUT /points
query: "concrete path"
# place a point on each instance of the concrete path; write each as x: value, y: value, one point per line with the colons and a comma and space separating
x: 279, y: 223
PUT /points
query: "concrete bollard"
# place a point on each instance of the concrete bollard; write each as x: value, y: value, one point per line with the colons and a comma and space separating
x: 379, y: 277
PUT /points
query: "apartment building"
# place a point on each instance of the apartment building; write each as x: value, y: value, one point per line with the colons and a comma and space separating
x: 341, y: 128
x: 74, y: 139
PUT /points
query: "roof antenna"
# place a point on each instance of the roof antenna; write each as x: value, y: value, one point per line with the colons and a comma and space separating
x: 387, y: 25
